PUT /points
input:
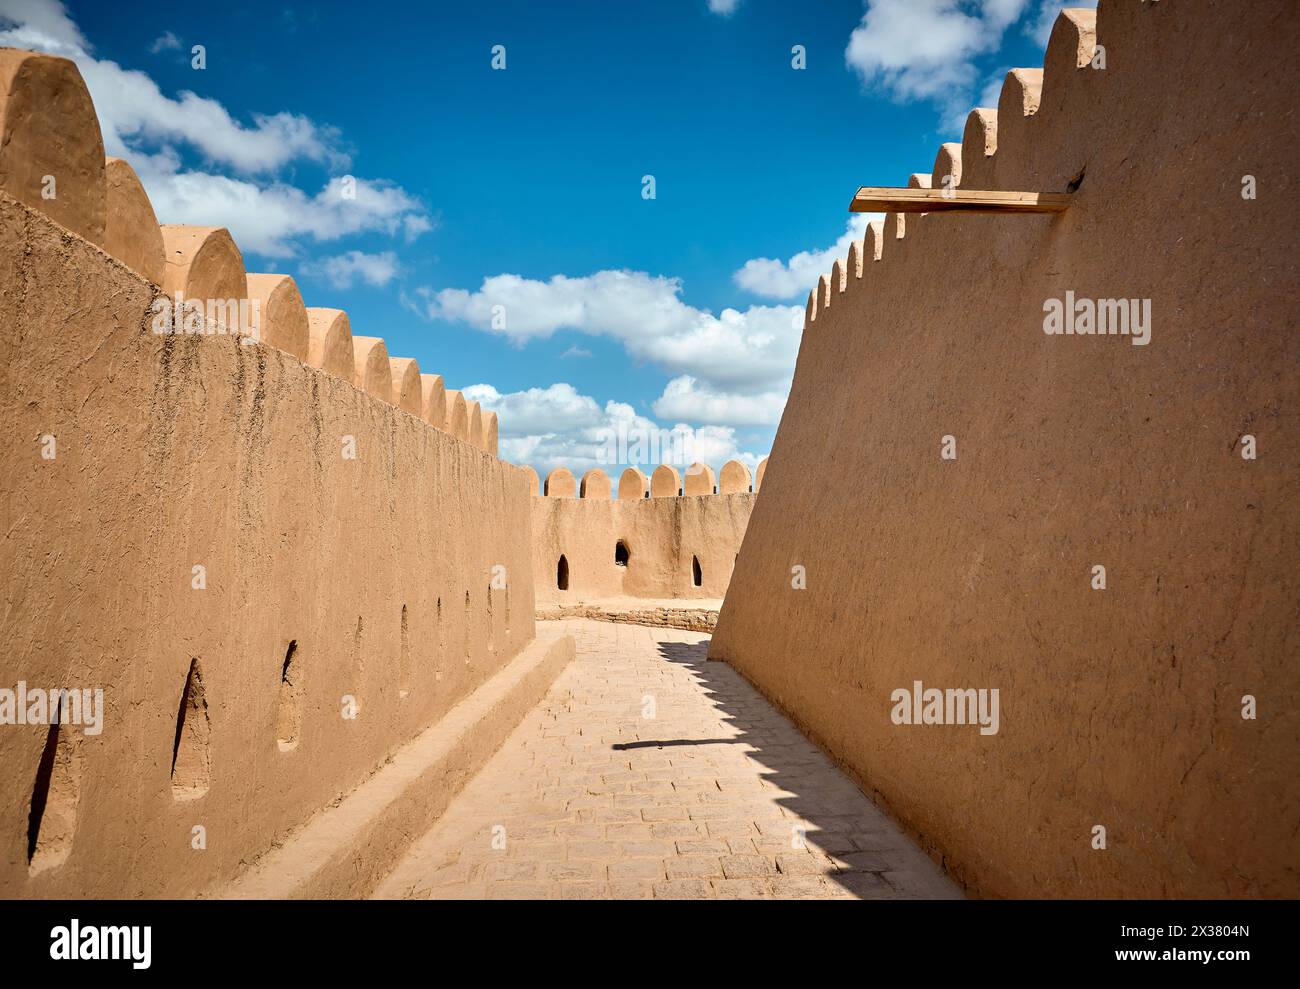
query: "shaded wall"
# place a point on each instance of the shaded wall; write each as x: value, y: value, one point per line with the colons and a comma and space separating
x: 1121, y: 707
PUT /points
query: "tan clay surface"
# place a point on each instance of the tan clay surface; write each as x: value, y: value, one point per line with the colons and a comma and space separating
x: 131, y: 231
x: 283, y: 315
x: 1120, y: 707
x: 330, y: 342
x: 48, y: 127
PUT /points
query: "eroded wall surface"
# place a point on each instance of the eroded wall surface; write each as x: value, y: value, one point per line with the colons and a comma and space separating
x: 173, y: 452
x: 1120, y: 708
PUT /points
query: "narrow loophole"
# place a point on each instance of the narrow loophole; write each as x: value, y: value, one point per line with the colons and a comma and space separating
x: 288, y: 721
x: 441, y: 656
x: 52, y: 818
x: 404, y: 660
x: 696, y: 575
x: 469, y: 637
x: 562, y: 573
x: 191, y: 768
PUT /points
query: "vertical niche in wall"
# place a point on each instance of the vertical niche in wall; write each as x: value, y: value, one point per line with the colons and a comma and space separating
x: 622, y: 555
x: 562, y: 573
x: 441, y: 656
x: 404, y: 658
x: 52, y: 814
x: 469, y: 633
x: 697, y: 575
x: 358, y: 663
x: 288, y: 715
x: 491, y: 629
x: 191, y: 758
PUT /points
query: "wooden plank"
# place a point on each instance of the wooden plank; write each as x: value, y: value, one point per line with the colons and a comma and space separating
x: 876, y: 199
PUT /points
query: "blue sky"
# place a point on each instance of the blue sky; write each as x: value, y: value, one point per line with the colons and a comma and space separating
x: 522, y: 188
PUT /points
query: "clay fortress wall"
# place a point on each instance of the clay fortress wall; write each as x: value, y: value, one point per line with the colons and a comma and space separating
x: 960, y: 474
x: 672, y: 536
x: 240, y: 543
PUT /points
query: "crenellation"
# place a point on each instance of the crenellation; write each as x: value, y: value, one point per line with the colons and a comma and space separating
x: 560, y: 483
x: 595, y: 484
x: 457, y: 415
x: 979, y: 143
x: 633, y: 485
x: 699, y: 480
x: 372, y: 373
x: 49, y: 129
x: 406, y: 385
x: 665, y: 482
x: 947, y: 167
x: 131, y: 231
x: 282, y: 317
x: 735, y: 478
x: 474, y: 423
x: 203, y: 265
x: 433, y: 401
x: 329, y: 342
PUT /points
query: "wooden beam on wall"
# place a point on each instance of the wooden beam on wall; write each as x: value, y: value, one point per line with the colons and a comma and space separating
x: 875, y: 199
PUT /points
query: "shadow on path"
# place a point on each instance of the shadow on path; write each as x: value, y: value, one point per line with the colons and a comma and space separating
x: 866, y: 853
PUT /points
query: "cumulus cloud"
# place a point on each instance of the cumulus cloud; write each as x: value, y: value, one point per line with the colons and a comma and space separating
x: 560, y: 427
x: 776, y: 279
x: 266, y: 214
x: 685, y: 398
x: 745, y: 349
x: 342, y: 270
x: 926, y: 49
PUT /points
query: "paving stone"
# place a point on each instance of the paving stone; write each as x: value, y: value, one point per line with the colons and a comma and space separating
x: 740, y: 806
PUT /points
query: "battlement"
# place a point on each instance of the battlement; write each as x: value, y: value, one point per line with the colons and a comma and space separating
x: 665, y: 481
x: 1031, y: 136
x: 52, y: 160
x: 954, y: 535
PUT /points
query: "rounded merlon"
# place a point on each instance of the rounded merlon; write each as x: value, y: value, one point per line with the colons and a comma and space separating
x: 281, y: 313
x: 49, y: 131
x: 131, y: 231
x: 329, y: 342
x: 371, y: 370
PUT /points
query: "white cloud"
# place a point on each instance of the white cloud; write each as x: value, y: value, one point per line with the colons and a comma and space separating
x: 576, y: 352
x: 271, y: 219
x: 40, y: 25
x: 777, y: 279
x: 167, y: 41
x: 686, y: 399
x: 644, y: 312
x: 265, y: 214
x: 724, y: 7
x: 342, y: 270
x: 559, y: 427
x: 925, y: 49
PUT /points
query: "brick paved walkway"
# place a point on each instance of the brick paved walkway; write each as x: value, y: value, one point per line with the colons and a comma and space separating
x: 716, y: 795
